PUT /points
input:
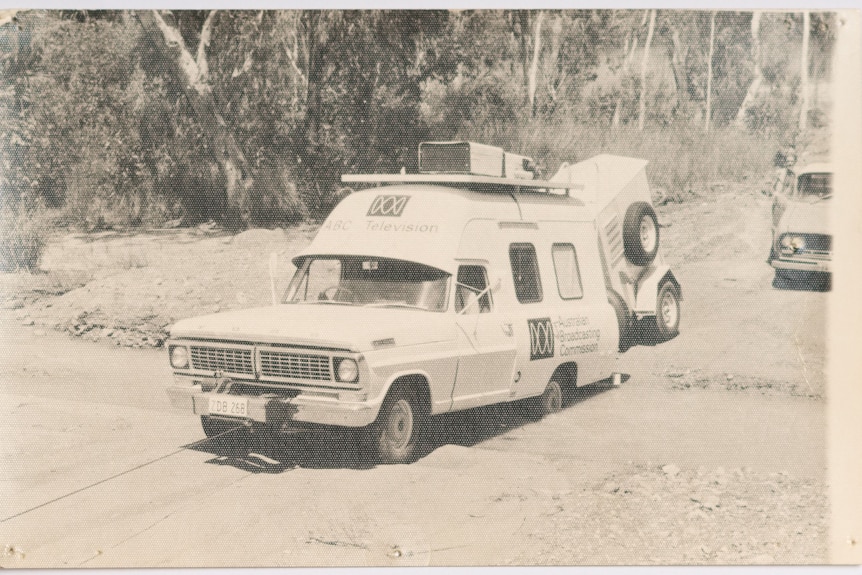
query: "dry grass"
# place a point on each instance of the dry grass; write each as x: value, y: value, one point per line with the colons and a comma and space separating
x: 23, y: 236
x: 682, y: 159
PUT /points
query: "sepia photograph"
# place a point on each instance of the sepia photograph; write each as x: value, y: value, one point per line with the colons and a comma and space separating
x: 479, y: 287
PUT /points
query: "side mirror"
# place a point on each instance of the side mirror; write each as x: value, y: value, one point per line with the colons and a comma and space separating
x: 273, y: 269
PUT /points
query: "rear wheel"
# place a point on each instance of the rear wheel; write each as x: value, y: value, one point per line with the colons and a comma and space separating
x: 625, y: 320
x: 667, y: 313
x: 394, y: 436
x: 551, y: 401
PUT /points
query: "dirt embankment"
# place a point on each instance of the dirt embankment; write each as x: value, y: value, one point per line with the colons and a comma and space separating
x: 129, y: 288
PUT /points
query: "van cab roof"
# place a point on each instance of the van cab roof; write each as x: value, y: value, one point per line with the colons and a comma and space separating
x: 424, y: 223
x: 815, y: 168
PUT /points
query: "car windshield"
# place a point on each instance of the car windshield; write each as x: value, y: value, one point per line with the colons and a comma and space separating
x: 814, y: 186
x: 370, y: 282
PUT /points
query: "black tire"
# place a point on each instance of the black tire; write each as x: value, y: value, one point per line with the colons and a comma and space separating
x: 640, y: 234
x: 667, y: 311
x: 551, y: 401
x: 625, y: 320
x: 393, y: 438
x: 216, y: 427
x: 227, y: 435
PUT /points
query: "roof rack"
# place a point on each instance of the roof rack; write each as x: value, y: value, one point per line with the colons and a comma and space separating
x: 505, y: 184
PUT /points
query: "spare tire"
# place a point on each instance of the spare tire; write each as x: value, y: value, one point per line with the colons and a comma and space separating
x: 625, y: 320
x: 640, y: 234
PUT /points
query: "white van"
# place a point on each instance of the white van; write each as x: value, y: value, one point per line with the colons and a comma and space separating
x: 467, y: 284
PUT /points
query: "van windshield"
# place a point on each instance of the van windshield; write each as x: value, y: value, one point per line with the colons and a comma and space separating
x: 368, y: 281
x: 814, y: 186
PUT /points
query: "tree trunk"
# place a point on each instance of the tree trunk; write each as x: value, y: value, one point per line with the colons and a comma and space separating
x: 708, y: 115
x: 644, y: 62
x: 631, y: 45
x: 534, y: 65
x: 168, y: 42
x: 316, y: 49
x: 677, y: 59
x: 556, y: 80
x: 803, y: 72
x: 754, y: 87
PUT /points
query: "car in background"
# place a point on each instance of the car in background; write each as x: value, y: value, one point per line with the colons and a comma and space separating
x: 801, y: 239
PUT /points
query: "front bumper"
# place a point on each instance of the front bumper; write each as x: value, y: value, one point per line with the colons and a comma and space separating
x: 802, y: 265
x: 282, y: 412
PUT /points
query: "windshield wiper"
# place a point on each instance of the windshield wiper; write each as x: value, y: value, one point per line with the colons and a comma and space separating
x: 395, y: 304
x: 324, y: 301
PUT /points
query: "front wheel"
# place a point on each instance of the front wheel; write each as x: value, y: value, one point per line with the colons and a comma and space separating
x: 394, y: 436
x: 667, y: 311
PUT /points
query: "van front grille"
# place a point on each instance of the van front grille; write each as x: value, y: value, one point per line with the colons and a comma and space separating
x: 295, y: 366
x: 228, y: 360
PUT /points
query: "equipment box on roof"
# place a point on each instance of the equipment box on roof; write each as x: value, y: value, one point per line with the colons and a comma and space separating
x: 461, y: 158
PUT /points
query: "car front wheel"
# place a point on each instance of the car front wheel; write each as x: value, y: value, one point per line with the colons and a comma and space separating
x: 394, y: 436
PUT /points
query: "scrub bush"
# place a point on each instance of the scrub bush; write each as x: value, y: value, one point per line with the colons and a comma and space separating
x: 23, y: 236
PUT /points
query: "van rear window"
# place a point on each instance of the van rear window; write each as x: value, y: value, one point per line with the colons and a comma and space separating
x: 525, y: 272
x: 568, y: 274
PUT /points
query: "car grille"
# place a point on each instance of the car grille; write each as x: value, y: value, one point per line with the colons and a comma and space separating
x: 295, y: 365
x: 817, y: 244
x: 817, y: 247
x: 229, y: 360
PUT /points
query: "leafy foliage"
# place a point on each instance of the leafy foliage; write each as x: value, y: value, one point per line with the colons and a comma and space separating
x: 96, y: 121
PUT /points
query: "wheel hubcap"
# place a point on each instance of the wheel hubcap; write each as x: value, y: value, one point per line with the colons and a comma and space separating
x: 648, y: 234
x: 400, y: 427
x: 668, y: 310
x: 553, y: 401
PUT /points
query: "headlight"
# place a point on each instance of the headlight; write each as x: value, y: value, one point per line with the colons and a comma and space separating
x: 797, y: 243
x: 790, y: 244
x: 346, y: 370
x: 179, y: 357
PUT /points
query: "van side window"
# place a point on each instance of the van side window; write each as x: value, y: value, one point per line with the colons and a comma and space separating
x: 525, y: 271
x: 472, y: 281
x: 568, y: 274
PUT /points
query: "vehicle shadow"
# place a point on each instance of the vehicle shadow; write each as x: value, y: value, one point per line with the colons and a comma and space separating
x: 262, y: 451
x: 645, y: 332
x: 337, y: 448
x: 474, y: 426
x: 803, y: 281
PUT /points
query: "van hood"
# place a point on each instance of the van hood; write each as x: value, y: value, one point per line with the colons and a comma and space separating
x: 806, y: 218
x: 344, y: 327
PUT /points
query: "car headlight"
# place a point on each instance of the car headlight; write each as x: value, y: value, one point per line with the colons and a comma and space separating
x: 346, y: 370
x: 179, y: 356
x: 791, y: 243
x: 797, y: 243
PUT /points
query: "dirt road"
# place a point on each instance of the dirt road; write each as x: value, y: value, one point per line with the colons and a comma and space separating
x: 711, y: 452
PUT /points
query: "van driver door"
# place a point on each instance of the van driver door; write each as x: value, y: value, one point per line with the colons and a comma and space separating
x: 487, y: 346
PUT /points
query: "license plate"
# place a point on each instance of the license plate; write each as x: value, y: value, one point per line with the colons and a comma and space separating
x: 233, y: 406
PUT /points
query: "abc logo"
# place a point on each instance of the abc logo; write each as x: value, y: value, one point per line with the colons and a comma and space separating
x: 541, y: 338
x: 388, y: 205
